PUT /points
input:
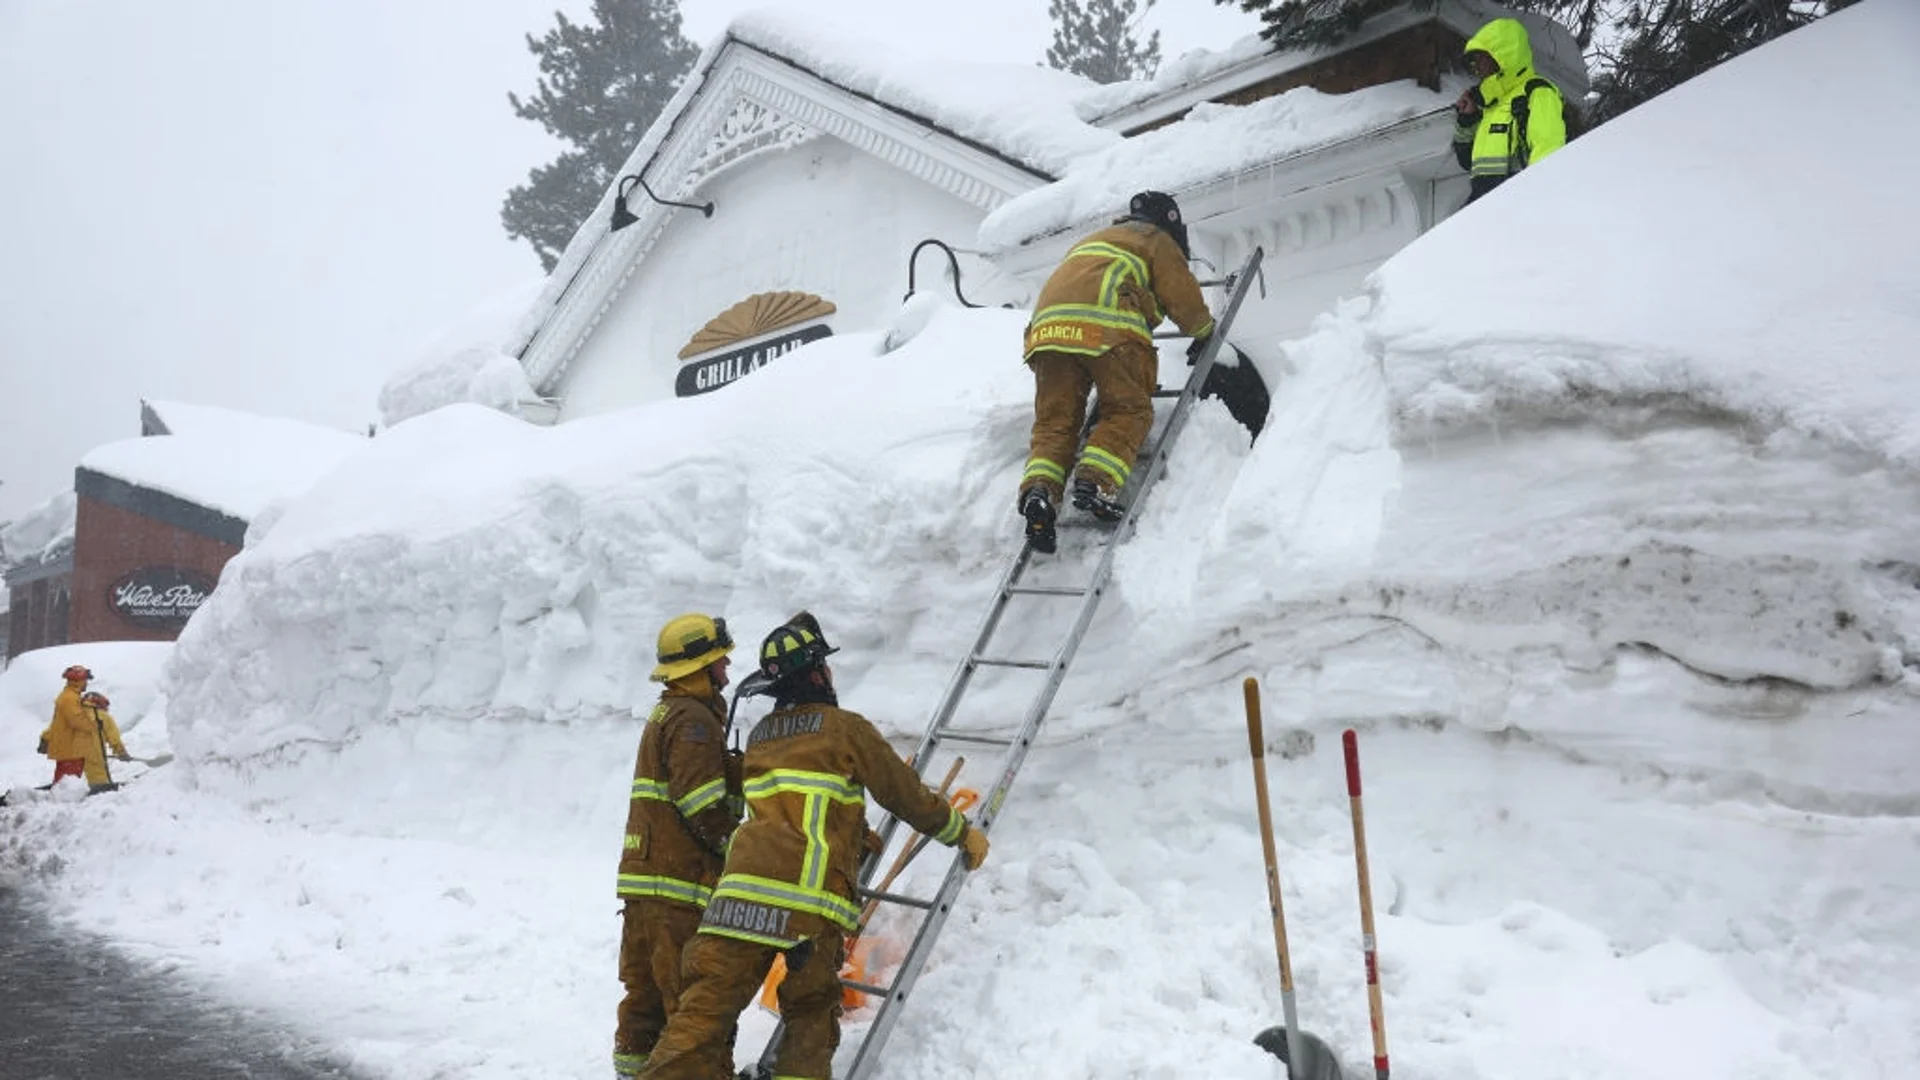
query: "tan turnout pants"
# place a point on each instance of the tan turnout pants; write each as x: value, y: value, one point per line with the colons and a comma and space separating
x: 721, y: 976
x: 1124, y: 376
x: 653, y: 933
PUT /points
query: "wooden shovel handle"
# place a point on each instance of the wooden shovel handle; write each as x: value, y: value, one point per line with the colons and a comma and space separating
x: 906, y: 855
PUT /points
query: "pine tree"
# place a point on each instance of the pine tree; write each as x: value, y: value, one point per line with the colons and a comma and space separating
x: 601, y: 85
x: 1636, y: 48
x: 1099, y: 39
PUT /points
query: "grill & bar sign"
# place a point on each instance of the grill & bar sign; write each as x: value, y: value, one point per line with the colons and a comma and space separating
x: 714, y: 372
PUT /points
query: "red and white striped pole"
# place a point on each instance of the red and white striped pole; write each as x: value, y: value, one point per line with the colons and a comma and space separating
x: 1374, y: 1008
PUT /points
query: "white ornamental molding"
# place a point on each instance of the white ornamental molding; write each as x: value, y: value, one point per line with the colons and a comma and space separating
x: 1384, y: 206
x: 748, y: 129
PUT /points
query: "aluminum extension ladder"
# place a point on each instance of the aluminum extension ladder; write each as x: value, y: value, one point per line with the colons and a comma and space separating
x: 941, y: 731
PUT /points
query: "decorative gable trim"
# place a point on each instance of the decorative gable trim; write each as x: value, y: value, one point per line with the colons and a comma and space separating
x: 751, y: 102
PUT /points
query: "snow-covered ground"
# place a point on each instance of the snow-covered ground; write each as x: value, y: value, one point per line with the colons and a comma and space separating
x: 1605, y: 539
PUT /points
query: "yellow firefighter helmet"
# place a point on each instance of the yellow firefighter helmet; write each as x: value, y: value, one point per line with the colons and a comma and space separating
x: 688, y: 643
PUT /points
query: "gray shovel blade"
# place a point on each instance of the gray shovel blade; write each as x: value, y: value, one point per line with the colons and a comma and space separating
x: 1320, y: 1063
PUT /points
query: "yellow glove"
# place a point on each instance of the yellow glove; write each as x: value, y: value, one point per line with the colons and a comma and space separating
x: 973, y: 845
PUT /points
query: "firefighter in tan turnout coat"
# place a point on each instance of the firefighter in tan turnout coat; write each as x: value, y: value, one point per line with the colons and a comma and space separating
x: 679, y: 820
x: 1092, y: 330
x: 788, y: 886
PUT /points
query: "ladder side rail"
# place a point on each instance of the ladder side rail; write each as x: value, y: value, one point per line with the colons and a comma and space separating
x: 1177, y: 420
x: 950, y: 697
x: 901, y: 985
x: 902, y: 982
x: 963, y: 673
x: 909, y: 971
x: 943, y: 712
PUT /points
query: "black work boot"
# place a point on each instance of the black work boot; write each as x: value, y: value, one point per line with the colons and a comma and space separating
x: 1037, y: 508
x: 1088, y: 496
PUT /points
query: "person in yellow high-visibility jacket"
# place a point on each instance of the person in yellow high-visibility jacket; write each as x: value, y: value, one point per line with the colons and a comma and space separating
x: 1092, y: 330
x: 1511, y: 118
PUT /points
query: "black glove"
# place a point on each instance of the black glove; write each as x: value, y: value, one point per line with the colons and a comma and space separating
x: 1195, y: 347
x: 42, y: 748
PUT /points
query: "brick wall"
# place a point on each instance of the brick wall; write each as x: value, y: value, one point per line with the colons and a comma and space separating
x: 110, y: 542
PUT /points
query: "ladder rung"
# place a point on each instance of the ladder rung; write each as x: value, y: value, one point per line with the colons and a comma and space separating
x: 876, y: 991
x: 1037, y: 665
x: 1048, y: 590
x: 983, y: 740
x: 898, y: 898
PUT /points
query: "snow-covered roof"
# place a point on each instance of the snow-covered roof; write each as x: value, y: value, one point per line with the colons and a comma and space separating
x: 467, y: 361
x: 1210, y: 142
x: 1034, y: 115
x: 233, y: 462
x: 41, y: 535
x: 1206, y: 75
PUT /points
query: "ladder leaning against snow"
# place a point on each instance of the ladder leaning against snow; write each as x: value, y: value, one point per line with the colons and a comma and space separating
x: 941, y: 730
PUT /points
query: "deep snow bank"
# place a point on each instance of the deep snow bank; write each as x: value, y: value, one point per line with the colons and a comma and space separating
x: 467, y: 561
x: 1691, y: 251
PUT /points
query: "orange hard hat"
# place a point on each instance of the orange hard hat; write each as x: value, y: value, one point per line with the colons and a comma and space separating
x: 97, y: 700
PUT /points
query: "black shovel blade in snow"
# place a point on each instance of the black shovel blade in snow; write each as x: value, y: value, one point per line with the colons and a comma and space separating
x: 1241, y: 389
x: 1320, y: 1063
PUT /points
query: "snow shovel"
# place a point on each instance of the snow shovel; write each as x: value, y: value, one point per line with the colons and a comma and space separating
x: 1241, y: 389
x: 1306, y: 1056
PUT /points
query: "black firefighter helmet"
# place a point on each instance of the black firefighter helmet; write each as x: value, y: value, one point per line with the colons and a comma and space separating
x: 1158, y: 208
x: 792, y: 649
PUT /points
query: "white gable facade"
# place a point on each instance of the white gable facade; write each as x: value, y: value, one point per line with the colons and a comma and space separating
x: 816, y: 191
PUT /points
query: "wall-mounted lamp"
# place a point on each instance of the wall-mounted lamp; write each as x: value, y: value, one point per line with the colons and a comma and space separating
x: 623, y: 217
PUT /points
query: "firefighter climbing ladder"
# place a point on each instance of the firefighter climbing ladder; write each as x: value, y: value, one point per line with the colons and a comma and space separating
x: 940, y: 731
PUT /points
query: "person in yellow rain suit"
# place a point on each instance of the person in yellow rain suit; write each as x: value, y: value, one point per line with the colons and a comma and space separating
x: 77, y: 737
x: 1511, y: 118
x: 1092, y: 330
x: 105, y: 737
x: 788, y: 886
x: 679, y: 819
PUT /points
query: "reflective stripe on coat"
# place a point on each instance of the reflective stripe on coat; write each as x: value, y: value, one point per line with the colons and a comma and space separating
x: 1116, y: 285
x: 793, y: 866
x: 678, y: 822
x: 1491, y: 146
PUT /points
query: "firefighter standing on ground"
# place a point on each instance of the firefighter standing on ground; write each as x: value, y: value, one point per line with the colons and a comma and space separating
x: 788, y: 886
x: 680, y: 818
x: 1511, y: 118
x: 1092, y: 329
x: 80, y: 732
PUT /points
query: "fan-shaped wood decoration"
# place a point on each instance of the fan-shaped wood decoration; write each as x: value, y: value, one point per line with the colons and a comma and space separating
x: 758, y: 314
